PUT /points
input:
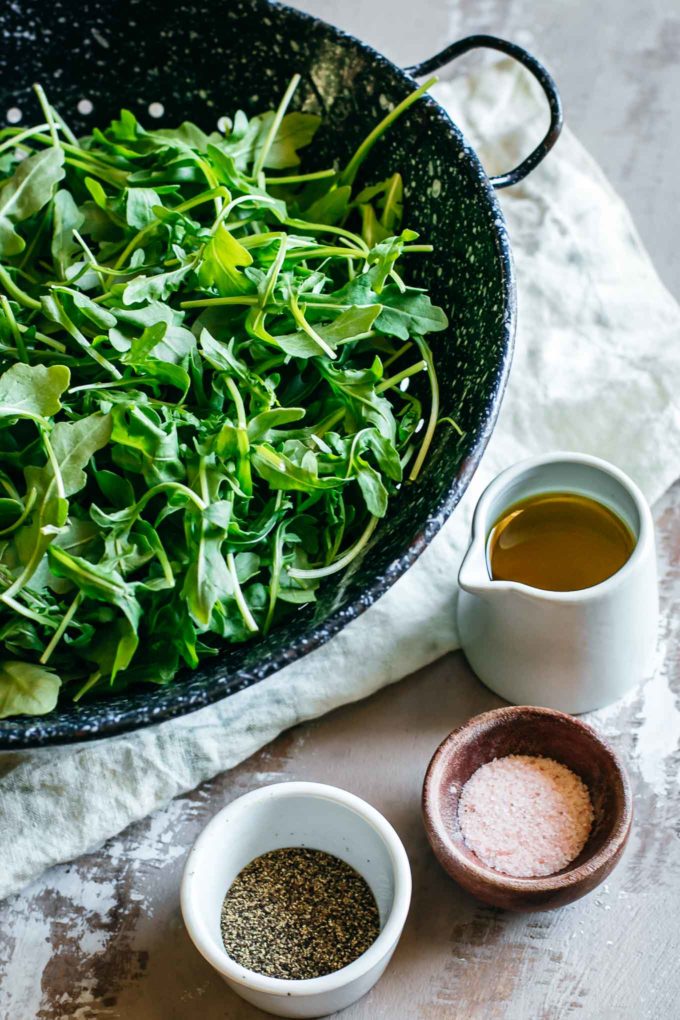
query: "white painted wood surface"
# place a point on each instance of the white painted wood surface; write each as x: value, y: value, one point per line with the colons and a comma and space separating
x: 103, y: 938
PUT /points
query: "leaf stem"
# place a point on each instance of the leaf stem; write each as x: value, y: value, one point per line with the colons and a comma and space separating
x: 28, y: 506
x: 244, y: 609
x: 349, y: 173
x: 88, y: 685
x: 299, y: 318
x: 48, y: 114
x: 275, y: 125
x: 316, y: 175
x: 237, y: 299
x: 59, y: 632
x: 18, y: 135
x: 434, y: 409
x: 17, y: 606
x: 394, y: 380
x: 191, y: 203
x: 14, y: 329
x: 344, y: 560
x: 16, y: 292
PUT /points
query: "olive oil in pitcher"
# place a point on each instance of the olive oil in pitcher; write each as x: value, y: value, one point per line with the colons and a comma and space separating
x: 558, y: 541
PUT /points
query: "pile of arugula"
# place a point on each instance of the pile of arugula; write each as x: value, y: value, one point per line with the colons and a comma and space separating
x: 204, y: 405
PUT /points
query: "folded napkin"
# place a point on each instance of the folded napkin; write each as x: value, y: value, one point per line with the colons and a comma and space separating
x: 596, y: 369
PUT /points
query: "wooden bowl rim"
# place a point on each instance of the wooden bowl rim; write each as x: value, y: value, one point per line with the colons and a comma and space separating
x: 447, y: 849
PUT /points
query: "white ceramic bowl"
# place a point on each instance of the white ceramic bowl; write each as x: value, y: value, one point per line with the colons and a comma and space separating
x: 285, y: 815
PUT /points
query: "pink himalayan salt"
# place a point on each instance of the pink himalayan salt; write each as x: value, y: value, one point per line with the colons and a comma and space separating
x: 525, y: 816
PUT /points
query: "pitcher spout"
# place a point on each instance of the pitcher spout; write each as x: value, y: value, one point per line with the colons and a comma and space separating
x: 473, y: 576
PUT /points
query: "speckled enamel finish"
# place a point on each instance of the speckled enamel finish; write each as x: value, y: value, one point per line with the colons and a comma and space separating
x: 204, y: 60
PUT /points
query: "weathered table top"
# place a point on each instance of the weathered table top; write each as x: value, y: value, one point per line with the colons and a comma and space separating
x: 103, y: 938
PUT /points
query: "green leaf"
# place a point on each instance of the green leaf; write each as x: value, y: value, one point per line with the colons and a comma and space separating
x: 222, y: 261
x: 330, y: 208
x: 295, y: 132
x: 207, y: 581
x: 299, y: 345
x: 66, y: 217
x: 26, y: 689
x: 143, y: 345
x: 25, y: 193
x: 32, y: 391
x: 139, y: 206
x: 281, y: 473
x: 99, y: 196
x: 98, y: 581
x: 90, y: 311
x: 383, y: 256
x: 187, y: 135
x: 387, y: 197
x: 116, y: 488
x: 373, y: 490
x: 54, y: 311
x: 144, y: 444
x: 354, y: 322
x: 385, y: 453
x: 157, y: 287
x: 113, y: 648
x: 177, y: 342
x: 262, y: 423
x: 73, y: 443
x: 412, y: 312
x: 357, y: 389
x: 403, y: 314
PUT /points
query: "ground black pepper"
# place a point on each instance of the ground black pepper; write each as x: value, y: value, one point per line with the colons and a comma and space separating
x: 298, y: 913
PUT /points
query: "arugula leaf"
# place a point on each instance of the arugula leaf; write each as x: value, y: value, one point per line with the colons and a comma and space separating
x: 176, y: 343
x: 157, y: 287
x: 25, y: 193
x: 330, y: 208
x: 403, y: 313
x: 373, y: 490
x: 207, y: 580
x: 32, y: 391
x: 27, y: 689
x: 66, y: 217
x: 352, y: 324
x: 113, y: 648
x: 222, y: 261
x: 408, y: 312
x: 187, y: 136
x: 260, y: 425
x: 282, y: 473
x: 73, y: 444
x: 295, y: 132
x: 139, y: 207
x: 142, y: 346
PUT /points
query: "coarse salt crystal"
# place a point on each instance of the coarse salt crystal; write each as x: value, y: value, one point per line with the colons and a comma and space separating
x: 525, y: 816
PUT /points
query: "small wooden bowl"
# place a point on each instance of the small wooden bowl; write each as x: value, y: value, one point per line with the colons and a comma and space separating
x: 532, y: 731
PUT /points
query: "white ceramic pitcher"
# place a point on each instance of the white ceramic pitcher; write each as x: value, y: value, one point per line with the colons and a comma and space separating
x: 570, y: 650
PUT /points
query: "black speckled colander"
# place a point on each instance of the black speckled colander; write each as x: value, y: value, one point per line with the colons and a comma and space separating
x: 175, y: 60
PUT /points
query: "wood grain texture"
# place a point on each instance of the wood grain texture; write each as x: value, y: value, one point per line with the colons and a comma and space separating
x: 103, y: 938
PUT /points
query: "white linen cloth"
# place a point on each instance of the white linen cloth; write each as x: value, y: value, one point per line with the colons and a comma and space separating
x: 596, y: 369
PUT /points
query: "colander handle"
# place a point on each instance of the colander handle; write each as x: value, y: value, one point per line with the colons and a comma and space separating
x: 542, y: 76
